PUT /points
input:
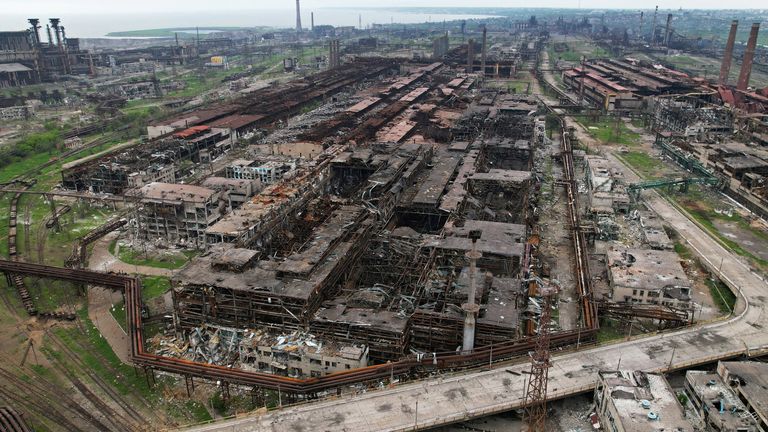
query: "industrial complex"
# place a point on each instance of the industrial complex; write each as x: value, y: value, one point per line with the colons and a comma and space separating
x: 548, y: 221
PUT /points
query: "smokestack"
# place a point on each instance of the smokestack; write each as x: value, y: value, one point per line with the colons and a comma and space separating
x: 298, y: 17
x: 470, y: 55
x: 63, y: 35
x: 470, y: 307
x: 653, y: 31
x: 35, y: 23
x: 312, y: 21
x: 55, y: 26
x: 668, y: 33
x: 640, y: 30
x: 749, y: 54
x: 485, y: 49
x: 50, y: 38
x: 334, y: 59
x: 725, y: 68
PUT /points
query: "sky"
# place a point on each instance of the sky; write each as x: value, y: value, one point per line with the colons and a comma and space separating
x: 97, y: 18
x: 63, y: 7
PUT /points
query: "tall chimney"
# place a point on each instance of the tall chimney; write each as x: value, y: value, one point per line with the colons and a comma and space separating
x: 640, y: 30
x: 312, y: 21
x: 470, y: 55
x: 35, y: 23
x: 55, y: 26
x: 749, y: 54
x: 63, y: 35
x: 298, y: 17
x: 50, y: 38
x: 485, y: 49
x: 470, y: 307
x: 725, y: 68
x: 668, y: 32
x: 653, y: 31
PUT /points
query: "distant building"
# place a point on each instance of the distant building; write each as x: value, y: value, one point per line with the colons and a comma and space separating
x: 634, y: 401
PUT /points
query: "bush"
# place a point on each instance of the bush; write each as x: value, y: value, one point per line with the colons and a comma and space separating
x: 218, y: 403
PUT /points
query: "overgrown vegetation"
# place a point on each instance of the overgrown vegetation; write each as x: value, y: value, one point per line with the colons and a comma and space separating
x: 610, y: 131
x: 154, y: 286
x: 170, y: 260
x: 722, y: 296
x: 42, y: 144
x: 151, y: 287
x: 647, y: 166
x: 609, y: 332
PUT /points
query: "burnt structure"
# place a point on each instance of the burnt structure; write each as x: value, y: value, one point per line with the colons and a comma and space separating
x: 202, y: 135
x: 26, y: 59
x: 368, y: 246
x: 622, y: 85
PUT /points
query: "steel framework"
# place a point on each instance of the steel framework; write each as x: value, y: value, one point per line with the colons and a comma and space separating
x: 536, y: 392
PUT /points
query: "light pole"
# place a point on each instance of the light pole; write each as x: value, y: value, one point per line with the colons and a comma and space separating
x: 416, y: 421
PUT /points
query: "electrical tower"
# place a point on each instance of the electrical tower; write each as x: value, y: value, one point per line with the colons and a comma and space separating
x: 536, y: 393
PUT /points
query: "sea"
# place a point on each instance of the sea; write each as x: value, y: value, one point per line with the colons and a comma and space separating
x: 99, y: 25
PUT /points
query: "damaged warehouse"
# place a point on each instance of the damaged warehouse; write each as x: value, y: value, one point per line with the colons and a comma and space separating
x: 378, y: 264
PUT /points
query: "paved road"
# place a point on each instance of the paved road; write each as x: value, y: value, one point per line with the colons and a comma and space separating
x: 102, y: 260
x: 101, y: 300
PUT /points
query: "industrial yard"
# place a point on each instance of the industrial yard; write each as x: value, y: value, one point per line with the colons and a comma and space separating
x: 538, y: 220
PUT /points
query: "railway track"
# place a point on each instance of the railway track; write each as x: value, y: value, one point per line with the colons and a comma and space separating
x: 14, y: 279
x: 129, y: 419
x: 41, y: 396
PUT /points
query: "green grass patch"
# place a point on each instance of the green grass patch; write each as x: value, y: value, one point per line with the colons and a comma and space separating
x: 151, y: 287
x: 198, y: 411
x: 648, y: 167
x: 609, y: 332
x: 15, y: 158
x: 132, y: 256
x: 683, y: 252
x: 22, y: 165
x: 575, y: 50
x: 610, y: 131
x: 705, y: 218
x: 154, y: 286
x: 723, y: 297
